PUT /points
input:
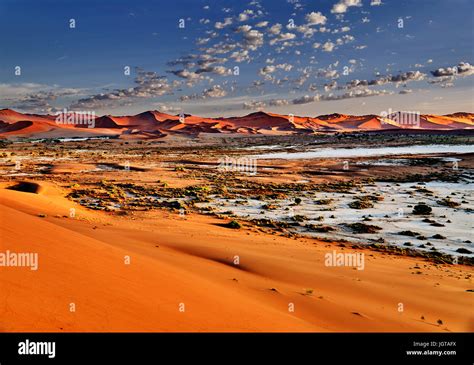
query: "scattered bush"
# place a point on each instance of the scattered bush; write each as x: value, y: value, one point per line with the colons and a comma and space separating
x: 363, y: 228
x: 422, y: 209
x: 233, y: 225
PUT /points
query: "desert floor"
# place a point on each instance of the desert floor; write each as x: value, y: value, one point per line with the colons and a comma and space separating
x: 159, y: 270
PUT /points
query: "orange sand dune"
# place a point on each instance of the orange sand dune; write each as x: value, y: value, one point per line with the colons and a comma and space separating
x: 154, y: 124
x: 457, y: 123
x: 363, y: 122
x: 11, y: 116
x: 191, y: 261
x: 43, y: 126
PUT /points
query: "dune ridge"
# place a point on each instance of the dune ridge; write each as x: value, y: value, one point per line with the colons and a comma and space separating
x: 155, y: 124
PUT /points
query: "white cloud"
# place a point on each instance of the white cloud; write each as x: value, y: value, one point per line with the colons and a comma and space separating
x: 261, y: 24
x: 398, y: 79
x: 245, y: 15
x: 328, y: 73
x: 305, y: 99
x: 307, y: 31
x: 36, y: 98
x: 314, y: 18
x: 240, y: 56
x: 282, y: 37
x: 254, y: 105
x: 201, y: 41
x: 462, y: 69
x: 284, y: 66
x: 225, y: 23
x: 330, y: 86
x: 253, y: 38
x: 345, y: 39
x: 275, y: 29
x: 358, y: 93
x: 267, y: 70
x: 342, y: 5
x: 148, y: 84
x: 186, y: 74
x: 278, y: 102
x: 216, y: 91
x: 328, y: 46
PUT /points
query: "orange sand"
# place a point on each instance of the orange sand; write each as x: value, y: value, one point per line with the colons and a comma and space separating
x: 190, y: 260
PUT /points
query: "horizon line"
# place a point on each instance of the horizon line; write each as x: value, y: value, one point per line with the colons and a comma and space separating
x: 236, y: 116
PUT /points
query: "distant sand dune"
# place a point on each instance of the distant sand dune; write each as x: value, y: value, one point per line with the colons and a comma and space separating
x: 154, y: 124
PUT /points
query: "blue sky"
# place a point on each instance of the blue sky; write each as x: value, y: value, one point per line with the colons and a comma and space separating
x: 292, y: 56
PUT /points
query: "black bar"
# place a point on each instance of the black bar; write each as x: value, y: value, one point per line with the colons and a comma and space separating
x: 171, y: 348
